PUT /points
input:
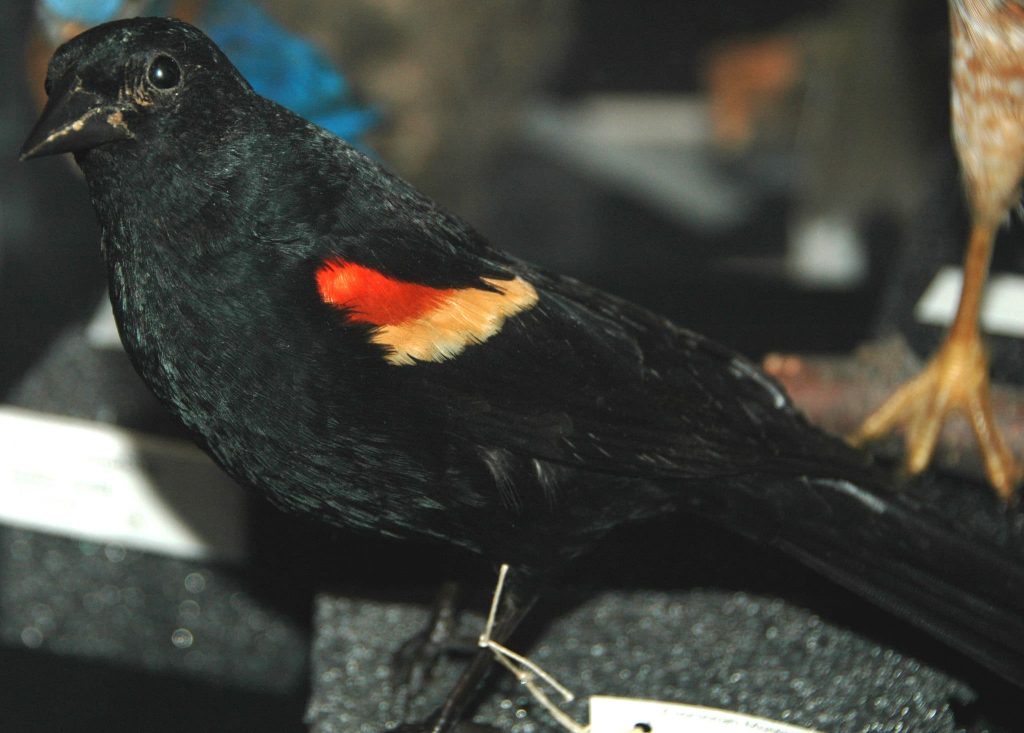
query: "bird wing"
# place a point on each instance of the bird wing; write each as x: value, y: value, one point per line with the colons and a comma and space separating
x: 546, y: 367
x: 589, y: 380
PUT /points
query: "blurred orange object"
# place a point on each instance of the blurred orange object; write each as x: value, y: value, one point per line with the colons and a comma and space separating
x: 747, y: 81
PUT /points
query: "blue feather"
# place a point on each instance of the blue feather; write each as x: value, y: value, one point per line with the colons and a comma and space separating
x: 285, y: 67
x: 87, y: 12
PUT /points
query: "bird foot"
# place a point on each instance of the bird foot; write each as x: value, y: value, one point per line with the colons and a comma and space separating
x: 414, y: 661
x: 429, y: 726
x: 955, y: 380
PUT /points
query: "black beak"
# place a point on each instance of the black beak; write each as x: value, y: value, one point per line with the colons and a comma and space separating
x: 73, y: 120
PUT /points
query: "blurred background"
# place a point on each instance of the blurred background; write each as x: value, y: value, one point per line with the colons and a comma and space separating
x: 775, y: 175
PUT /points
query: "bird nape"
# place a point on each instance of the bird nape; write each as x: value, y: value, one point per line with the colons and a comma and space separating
x: 335, y: 340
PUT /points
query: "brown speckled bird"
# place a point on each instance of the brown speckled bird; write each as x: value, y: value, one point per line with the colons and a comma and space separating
x: 987, y: 104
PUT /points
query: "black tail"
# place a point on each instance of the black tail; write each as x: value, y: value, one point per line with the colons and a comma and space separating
x: 964, y: 586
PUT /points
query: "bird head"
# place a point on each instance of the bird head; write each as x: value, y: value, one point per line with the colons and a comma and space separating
x: 120, y: 83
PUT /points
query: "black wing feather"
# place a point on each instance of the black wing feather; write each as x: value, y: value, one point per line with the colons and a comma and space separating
x: 587, y: 380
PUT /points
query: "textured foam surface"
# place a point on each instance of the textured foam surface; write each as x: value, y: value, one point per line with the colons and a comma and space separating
x: 105, y: 602
x: 724, y: 649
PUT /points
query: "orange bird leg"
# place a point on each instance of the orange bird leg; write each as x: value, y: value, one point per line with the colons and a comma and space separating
x: 955, y: 379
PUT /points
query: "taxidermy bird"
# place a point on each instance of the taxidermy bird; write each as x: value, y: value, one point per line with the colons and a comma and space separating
x: 338, y: 342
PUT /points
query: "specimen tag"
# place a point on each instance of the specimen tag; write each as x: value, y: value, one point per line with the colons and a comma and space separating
x: 629, y: 715
x: 101, y: 483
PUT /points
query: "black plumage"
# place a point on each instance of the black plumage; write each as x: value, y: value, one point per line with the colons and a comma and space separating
x: 547, y: 415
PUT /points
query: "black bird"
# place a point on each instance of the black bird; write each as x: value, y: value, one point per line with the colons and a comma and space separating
x: 337, y: 341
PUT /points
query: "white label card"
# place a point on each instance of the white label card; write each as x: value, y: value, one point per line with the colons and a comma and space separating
x: 629, y: 715
x: 104, y: 484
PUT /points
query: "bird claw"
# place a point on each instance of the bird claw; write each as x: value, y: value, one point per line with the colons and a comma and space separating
x: 411, y: 666
x: 414, y: 661
x: 428, y: 726
x: 471, y: 726
x: 956, y: 379
x: 421, y: 726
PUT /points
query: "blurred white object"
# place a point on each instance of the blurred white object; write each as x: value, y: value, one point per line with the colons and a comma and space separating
x: 1002, y: 309
x: 826, y: 252
x: 102, y: 328
x: 657, y: 149
x: 96, y: 482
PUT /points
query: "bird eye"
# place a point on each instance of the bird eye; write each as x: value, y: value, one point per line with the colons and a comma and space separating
x: 164, y: 73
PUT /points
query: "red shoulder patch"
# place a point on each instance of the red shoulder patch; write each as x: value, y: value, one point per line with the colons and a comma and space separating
x: 372, y: 297
x: 420, y: 323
